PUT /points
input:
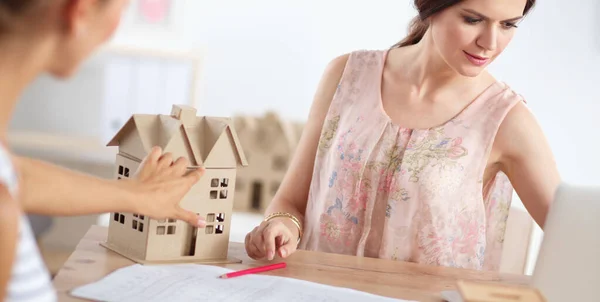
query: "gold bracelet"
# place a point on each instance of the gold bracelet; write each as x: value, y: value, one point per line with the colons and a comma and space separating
x: 291, y: 217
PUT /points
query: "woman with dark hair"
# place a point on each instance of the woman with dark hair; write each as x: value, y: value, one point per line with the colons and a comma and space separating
x: 411, y: 153
x: 55, y: 36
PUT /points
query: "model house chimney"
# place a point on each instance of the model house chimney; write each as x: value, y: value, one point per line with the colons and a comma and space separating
x: 186, y: 114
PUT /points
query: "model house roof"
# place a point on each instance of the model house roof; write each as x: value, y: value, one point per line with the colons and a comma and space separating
x: 266, y: 130
x: 206, y: 141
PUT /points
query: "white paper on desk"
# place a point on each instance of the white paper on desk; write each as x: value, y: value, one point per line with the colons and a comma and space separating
x: 190, y: 282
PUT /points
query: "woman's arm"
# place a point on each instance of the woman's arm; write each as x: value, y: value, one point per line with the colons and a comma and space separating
x: 292, y: 196
x: 9, y: 230
x: 156, y: 190
x: 51, y: 190
x: 527, y: 160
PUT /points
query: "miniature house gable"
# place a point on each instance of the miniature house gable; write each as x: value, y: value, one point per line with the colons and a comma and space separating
x: 193, y: 138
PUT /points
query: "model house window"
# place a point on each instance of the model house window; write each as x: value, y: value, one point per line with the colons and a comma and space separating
x: 123, y: 172
x: 214, y: 223
x: 137, y: 223
x: 118, y: 217
x: 166, y: 227
x: 219, y: 188
x: 279, y: 163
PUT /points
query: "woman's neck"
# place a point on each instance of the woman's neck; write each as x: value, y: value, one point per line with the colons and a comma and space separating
x: 428, y: 72
x: 21, y: 61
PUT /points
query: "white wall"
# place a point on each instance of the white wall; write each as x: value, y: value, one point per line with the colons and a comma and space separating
x: 554, y: 61
x: 269, y: 54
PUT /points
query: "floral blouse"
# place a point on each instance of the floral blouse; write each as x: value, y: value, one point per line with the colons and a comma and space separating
x: 381, y: 190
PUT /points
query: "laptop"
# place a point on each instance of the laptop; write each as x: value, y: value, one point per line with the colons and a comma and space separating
x: 568, y: 264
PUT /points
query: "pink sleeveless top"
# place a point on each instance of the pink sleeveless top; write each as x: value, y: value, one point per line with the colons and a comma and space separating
x: 380, y: 190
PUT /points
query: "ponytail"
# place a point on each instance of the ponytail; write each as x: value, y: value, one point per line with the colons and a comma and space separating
x: 417, y: 30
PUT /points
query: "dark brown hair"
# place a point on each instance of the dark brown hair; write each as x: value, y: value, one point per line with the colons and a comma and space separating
x: 10, y: 10
x: 15, y: 6
x: 427, y: 8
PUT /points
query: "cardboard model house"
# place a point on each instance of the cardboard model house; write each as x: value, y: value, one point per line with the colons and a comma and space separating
x: 210, y: 142
x: 269, y: 143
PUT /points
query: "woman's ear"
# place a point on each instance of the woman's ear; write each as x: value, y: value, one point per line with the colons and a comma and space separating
x: 78, y: 14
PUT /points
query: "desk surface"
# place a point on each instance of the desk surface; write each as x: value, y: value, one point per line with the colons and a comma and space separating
x: 90, y: 262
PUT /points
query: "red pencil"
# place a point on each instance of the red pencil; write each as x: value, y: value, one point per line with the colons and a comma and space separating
x: 254, y: 270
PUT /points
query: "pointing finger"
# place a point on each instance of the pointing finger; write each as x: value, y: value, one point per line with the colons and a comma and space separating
x: 270, y: 233
x: 191, y: 218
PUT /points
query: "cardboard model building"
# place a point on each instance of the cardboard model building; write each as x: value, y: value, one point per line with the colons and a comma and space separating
x: 210, y: 142
x: 269, y: 143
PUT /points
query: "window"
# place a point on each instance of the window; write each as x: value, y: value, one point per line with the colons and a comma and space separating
x: 123, y: 172
x: 137, y: 223
x: 215, y: 223
x: 166, y: 227
x: 210, y: 218
x: 219, y: 188
x: 119, y: 217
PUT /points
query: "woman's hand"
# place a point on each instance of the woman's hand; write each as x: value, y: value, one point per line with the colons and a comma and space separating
x: 160, y: 184
x: 279, y: 235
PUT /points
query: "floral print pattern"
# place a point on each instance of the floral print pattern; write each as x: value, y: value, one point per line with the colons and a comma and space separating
x: 381, y: 190
x: 434, y: 150
x: 328, y: 133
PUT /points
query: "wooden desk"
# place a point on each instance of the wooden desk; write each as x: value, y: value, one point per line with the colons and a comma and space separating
x: 90, y: 262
